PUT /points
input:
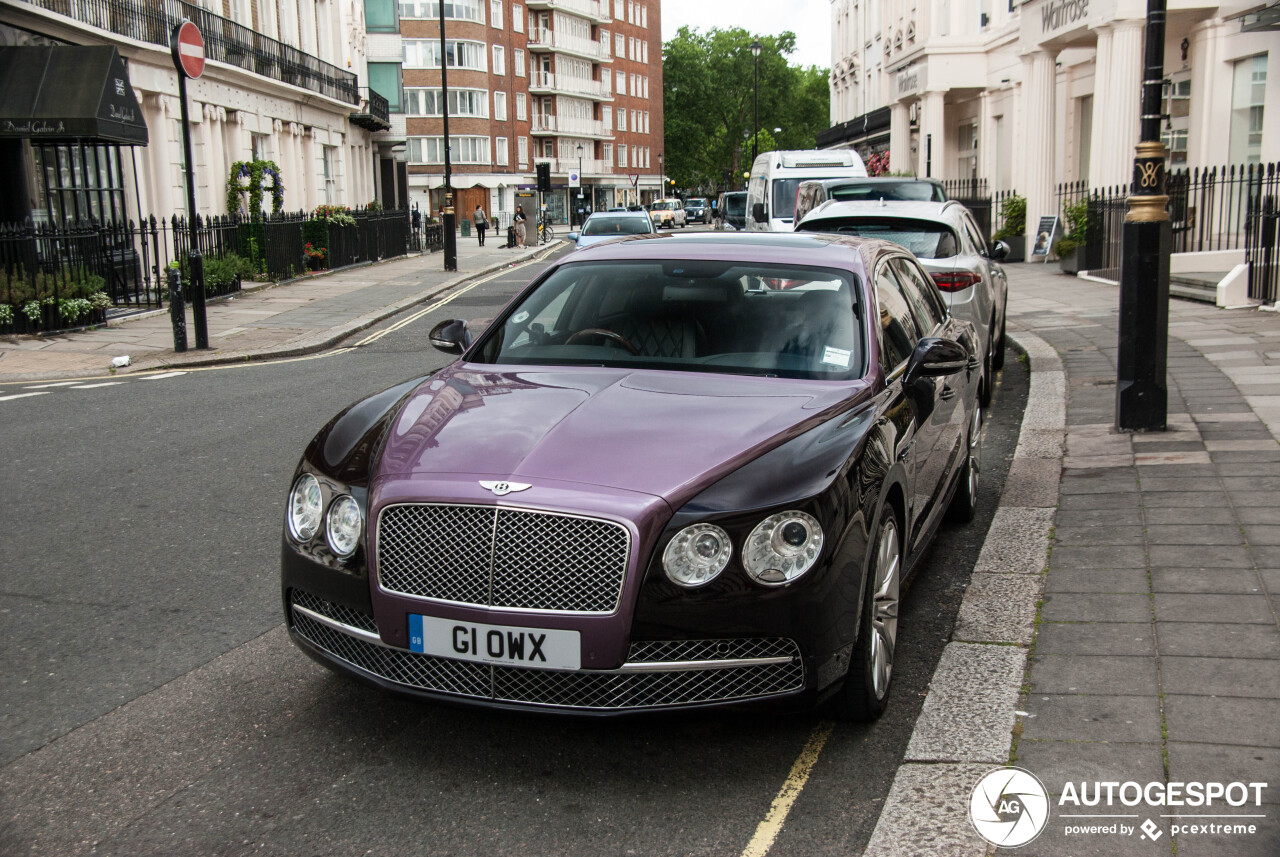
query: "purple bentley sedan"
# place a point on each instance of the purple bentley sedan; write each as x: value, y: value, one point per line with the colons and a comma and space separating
x: 674, y: 472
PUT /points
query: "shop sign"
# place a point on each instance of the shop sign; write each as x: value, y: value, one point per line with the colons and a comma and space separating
x: 911, y: 80
x: 1050, y: 19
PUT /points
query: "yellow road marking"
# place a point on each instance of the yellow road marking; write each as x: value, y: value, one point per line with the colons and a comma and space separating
x: 248, y: 364
x: 769, y: 829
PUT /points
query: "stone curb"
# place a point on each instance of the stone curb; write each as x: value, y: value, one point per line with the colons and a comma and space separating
x: 316, y: 343
x: 966, y: 725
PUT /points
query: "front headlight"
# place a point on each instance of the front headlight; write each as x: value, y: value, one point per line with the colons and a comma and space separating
x: 306, y: 506
x: 782, y: 547
x: 343, y: 525
x: 697, y: 554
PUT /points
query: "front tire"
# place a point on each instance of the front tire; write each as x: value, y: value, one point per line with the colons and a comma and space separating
x: 964, y: 503
x: 997, y: 357
x: 866, y: 688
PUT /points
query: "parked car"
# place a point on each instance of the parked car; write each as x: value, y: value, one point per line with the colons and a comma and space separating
x: 673, y: 473
x: 604, y: 226
x: 731, y: 210
x: 775, y: 176
x: 697, y: 209
x: 947, y: 241
x: 667, y: 213
x: 811, y: 194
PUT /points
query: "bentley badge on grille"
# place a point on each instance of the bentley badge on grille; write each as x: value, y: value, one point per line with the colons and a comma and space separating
x: 501, y: 488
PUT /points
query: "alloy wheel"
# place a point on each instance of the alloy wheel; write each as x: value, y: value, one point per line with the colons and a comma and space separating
x: 884, y: 608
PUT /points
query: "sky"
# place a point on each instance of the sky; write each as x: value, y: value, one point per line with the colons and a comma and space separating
x: 810, y: 20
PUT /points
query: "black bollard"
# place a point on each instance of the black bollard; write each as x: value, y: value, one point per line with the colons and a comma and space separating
x: 511, y: 236
x: 177, y: 311
x: 195, y: 262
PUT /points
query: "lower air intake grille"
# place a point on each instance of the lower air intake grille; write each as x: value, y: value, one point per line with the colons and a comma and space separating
x: 585, y: 689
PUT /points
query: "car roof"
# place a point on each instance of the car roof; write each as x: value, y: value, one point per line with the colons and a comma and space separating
x: 948, y: 212
x: 617, y: 212
x: 808, y: 248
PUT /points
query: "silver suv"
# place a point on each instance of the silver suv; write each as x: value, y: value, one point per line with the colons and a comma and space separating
x: 948, y: 243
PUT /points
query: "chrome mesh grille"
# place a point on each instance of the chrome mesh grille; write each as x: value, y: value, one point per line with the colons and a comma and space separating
x: 337, y: 612
x: 583, y: 689
x: 496, y: 557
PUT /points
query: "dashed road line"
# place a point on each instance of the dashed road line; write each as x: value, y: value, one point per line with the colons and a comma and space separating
x: 23, y: 395
x: 55, y: 384
x: 161, y: 376
x: 95, y: 386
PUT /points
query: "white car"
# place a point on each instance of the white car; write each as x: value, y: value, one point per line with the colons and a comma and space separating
x: 667, y: 213
x: 948, y: 243
x: 607, y: 225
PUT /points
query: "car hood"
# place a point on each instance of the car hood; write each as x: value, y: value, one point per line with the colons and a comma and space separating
x: 666, y: 434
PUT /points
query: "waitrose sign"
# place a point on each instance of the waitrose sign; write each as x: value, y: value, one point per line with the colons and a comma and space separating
x: 1052, y: 18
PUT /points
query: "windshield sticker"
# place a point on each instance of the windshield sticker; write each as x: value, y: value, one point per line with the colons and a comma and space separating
x: 519, y: 317
x: 836, y: 357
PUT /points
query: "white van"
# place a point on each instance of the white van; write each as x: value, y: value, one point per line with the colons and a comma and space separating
x: 776, y: 176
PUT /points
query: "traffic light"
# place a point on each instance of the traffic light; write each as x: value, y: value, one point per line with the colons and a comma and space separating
x: 544, y: 177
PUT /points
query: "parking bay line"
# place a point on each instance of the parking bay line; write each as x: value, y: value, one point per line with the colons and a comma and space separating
x: 771, y: 826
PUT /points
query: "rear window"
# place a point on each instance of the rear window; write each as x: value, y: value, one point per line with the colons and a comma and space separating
x: 927, y: 239
x: 896, y: 191
x: 617, y: 226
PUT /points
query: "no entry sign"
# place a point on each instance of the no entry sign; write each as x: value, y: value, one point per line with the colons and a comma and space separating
x: 188, y: 50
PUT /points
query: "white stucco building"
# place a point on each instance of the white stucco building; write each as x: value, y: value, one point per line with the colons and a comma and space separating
x: 1031, y: 94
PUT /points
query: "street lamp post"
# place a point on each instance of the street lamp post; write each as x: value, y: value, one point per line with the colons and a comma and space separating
x: 580, y: 212
x: 447, y: 218
x: 662, y: 168
x: 755, y: 124
x: 1142, y: 393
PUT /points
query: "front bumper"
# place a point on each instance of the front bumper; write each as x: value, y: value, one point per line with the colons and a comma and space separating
x: 657, y: 674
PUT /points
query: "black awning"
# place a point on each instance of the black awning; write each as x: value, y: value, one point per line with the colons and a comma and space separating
x: 68, y: 93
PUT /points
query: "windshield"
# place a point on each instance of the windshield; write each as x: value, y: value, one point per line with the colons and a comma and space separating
x: 617, y: 226
x: 697, y: 316
x: 663, y: 206
x: 696, y: 203
x: 927, y: 239
x: 784, y: 195
x: 897, y: 191
x: 735, y: 204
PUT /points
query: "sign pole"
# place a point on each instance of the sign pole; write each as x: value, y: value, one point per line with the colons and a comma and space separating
x: 1142, y: 391
x: 188, y: 57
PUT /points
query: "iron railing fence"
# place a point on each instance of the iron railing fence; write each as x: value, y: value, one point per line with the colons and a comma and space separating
x: 49, y: 262
x: 985, y: 205
x: 225, y: 41
x: 1262, y: 237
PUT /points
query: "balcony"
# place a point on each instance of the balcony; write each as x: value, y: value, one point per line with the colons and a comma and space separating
x: 594, y: 9
x: 543, y: 39
x: 590, y: 167
x: 544, y: 82
x: 225, y: 41
x: 544, y: 124
x: 376, y: 112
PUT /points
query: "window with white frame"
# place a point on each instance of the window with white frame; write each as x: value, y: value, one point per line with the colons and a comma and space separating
x: 517, y: 17
x: 500, y: 151
x: 644, y: 89
x: 522, y: 113
x: 622, y: 154
x: 622, y: 82
x: 466, y: 150
x: 495, y: 13
x: 522, y: 151
x: 617, y: 9
x: 644, y: 52
x: 467, y: 103
x: 329, y: 156
x: 646, y: 121
x: 644, y: 16
x: 606, y: 153
x: 606, y: 82
x: 454, y: 10
x: 606, y: 116
x: 620, y: 47
x: 517, y: 63
x: 631, y: 11
x: 499, y: 106
x: 622, y: 119
x: 499, y: 59
x: 425, y: 53
x: 605, y: 45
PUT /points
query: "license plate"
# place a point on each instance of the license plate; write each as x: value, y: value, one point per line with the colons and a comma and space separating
x: 540, y: 648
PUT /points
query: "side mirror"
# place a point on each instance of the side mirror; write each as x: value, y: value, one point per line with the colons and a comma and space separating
x: 999, y: 251
x: 450, y: 336
x: 573, y: 236
x: 757, y: 212
x: 935, y: 356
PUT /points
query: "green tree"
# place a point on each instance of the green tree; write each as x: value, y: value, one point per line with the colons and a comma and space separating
x: 709, y: 104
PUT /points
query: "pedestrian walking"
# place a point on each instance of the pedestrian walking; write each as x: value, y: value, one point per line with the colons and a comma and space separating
x: 481, y: 221
x: 519, y: 220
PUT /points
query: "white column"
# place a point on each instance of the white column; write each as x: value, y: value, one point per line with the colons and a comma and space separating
x: 1126, y: 85
x: 899, y: 137
x: 1102, y: 150
x: 1204, y: 141
x: 933, y: 125
x: 161, y: 159
x: 1036, y: 175
x: 986, y: 139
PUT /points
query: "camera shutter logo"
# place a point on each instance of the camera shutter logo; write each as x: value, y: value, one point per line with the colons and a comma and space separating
x: 1009, y: 807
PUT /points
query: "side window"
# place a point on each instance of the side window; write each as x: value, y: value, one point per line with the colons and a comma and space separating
x: 975, y: 234
x: 921, y: 293
x: 898, y: 332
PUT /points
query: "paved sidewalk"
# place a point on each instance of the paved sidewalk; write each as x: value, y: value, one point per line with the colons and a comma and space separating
x: 1157, y: 656
x: 297, y: 317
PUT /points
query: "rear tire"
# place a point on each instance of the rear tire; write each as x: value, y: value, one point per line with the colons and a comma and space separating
x: 866, y: 687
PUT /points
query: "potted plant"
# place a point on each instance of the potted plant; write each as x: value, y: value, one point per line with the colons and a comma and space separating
x: 1071, y: 247
x: 1013, y: 211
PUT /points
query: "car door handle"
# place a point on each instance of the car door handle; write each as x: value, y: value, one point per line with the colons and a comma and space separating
x: 947, y: 393
x: 972, y: 364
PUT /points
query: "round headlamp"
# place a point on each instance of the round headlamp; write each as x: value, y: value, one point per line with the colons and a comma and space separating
x: 343, y: 525
x: 782, y: 547
x: 697, y: 554
x: 306, y: 507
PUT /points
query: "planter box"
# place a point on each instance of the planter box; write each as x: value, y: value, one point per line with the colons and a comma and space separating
x: 1070, y: 263
x: 1017, y: 248
x: 50, y: 322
